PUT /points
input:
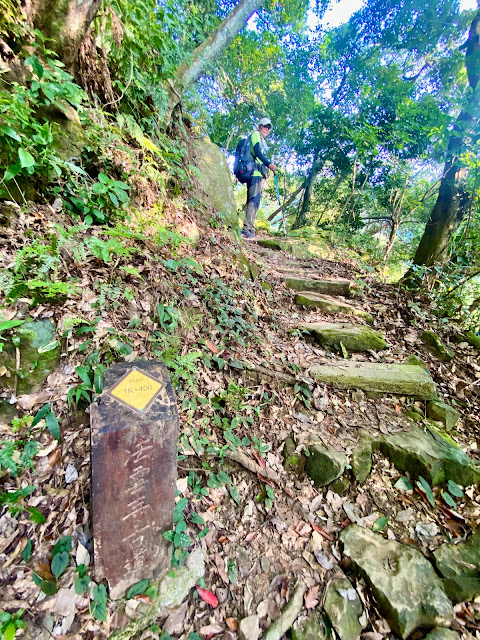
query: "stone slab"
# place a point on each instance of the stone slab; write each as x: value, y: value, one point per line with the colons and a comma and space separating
x: 442, y: 412
x: 329, y: 305
x: 408, y: 591
x: 344, y: 608
x: 400, y: 379
x: 134, y: 438
x: 354, y: 337
x: 327, y: 287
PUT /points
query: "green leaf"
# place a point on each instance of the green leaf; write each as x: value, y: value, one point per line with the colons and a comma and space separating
x: 27, y: 552
x: 52, y: 425
x: 47, y: 586
x: 40, y: 415
x: 48, y: 347
x: 137, y: 589
x: 36, y: 516
x: 98, y: 606
x: 10, y: 631
x: 449, y: 500
x: 223, y: 477
x: 404, y: 484
x: 9, y: 324
x: 182, y: 540
x: 178, y: 511
x: 114, y: 199
x: 82, y: 584
x: 425, y: 487
x: 26, y: 158
x: 455, y: 489
x: 64, y: 544
x: 60, y: 563
x: 11, y: 133
x: 197, y: 519
x: 234, y: 493
x: 84, y: 376
x: 380, y: 523
x: 344, y: 351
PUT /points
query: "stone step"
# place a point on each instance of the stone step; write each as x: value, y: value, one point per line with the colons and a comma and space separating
x: 302, y: 250
x: 329, y: 305
x: 354, y: 337
x: 400, y: 379
x: 327, y: 287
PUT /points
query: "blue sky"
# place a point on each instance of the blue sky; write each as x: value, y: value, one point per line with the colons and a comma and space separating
x: 341, y: 11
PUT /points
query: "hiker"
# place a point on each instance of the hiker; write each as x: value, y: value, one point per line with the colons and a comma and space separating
x: 252, y: 173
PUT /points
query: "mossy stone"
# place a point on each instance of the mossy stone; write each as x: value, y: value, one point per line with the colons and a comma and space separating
x: 344, y: 609
x: 329, y: 305
x: 442, y: 634
x: 356, y: 338
x: 362, y: 457
x: 413, y: 415
x: 408, y: 591
x: 292, y: 460
x: 312, y: 629
x: 398, y: 379
x: 35, y: 365
x: 443, y: 413
x: 248, y: 267
x: 415, y: 361
x: 324, y: 464
x: 326, y: 287
x: 473, y: 339
x: 459, y: 565
x: 436, y: 347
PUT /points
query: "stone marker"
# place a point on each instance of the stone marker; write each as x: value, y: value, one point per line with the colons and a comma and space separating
x: 401, y: 379
x: 134, y: 434
x: 408, y: 591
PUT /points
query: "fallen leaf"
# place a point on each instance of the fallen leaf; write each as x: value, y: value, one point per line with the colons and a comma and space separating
x: 211, y: 346
x: 311, y: 597
x: 322, y: 532
x: 232, y: 624
x: 207, y: 596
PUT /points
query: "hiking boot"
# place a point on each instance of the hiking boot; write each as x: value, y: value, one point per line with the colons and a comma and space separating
x: 248, y: 235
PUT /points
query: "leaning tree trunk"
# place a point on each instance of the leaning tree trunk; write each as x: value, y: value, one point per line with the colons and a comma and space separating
x: 449, y: 209
x: 216, y: 43
x: 301, y: 219
x: 65, y: 22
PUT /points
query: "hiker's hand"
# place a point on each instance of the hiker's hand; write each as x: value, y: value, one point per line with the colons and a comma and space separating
x: 273, y: 167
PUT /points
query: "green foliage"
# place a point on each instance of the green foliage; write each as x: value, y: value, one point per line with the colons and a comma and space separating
x: 10, y: 622
x: 98, y: 201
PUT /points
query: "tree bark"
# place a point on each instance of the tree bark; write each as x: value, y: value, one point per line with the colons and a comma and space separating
x: 301, y: 219
x: 210, y: 49
x: 65, y: 22
x: 450, y: 207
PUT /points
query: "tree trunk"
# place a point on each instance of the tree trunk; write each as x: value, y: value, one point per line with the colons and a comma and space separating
x: 330, y: 197
x: 210, y: 49
x: 352, y: 190
x: 65, y: 22
x: 449, y: 209
x: 288, y: 201
x: 301, y: 219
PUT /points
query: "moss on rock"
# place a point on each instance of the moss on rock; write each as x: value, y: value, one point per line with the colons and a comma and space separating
x: 443, y: 413
x: 436, y: 347
x: 330, y: 305
x: 355, y: 338
x: 326, y: 287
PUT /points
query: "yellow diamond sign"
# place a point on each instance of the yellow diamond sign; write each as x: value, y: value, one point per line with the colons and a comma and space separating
x: 137, y: 390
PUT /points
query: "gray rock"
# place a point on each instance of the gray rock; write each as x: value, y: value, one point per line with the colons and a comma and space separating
x: 312, y: 629
x: 407, y: 590
x: 35, y: 363
x: 400, y: 379
x: 443, y: 413
x: 442, y: 634
x: 354, y: 337
x: 249, y: 628
x: 459, y: 564
x: 436, y: 347
x: 216, y: 180
x: 343, y: 607
x: 324, y: 464
x: 330, y: 305
x: 176, y: 585
x: 430, y: 453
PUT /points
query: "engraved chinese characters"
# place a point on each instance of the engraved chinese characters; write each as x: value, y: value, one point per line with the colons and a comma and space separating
x: 134, y: 470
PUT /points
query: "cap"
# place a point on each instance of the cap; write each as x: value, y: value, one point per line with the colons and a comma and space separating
x: 265, y: 121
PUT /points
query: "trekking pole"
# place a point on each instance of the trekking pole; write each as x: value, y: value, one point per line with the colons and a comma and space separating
x: 281, y: 206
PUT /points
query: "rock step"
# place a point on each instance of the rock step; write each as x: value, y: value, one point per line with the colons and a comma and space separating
x: 353, y: 337
x: 296, y: 248
x: 330, y: 305
x: 400, y: 379
x: 328, y: 287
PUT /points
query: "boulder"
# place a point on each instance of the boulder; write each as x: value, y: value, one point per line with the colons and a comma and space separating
x: 442, y: 634
x: 249, y: 628
x: 472, y: 339
x: 431, y: 454
x: 324, y: 464
x: 459, y: 565
x: 329, y: 305
x: 408, y: 592
x: 69, y: 138
x: 399, y: 379
x: 39, y: 353
x: 443, y: 413
x: 355, y: 338
x: 248, y: 267
x: 326, y: 287
x: 436, y: 347
x: 216, y: 180
x: 312, y: 629
x: 344, y: 609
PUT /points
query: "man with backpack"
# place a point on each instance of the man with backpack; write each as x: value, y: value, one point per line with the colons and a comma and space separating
x: 250, y: 172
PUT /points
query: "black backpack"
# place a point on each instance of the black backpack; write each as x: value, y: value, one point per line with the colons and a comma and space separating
x: 244, y: 166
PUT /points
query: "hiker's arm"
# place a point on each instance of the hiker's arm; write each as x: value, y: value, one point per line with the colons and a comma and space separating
x: 260, y: 155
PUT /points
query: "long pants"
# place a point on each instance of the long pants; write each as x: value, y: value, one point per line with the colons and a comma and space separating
x: 254, y: 193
